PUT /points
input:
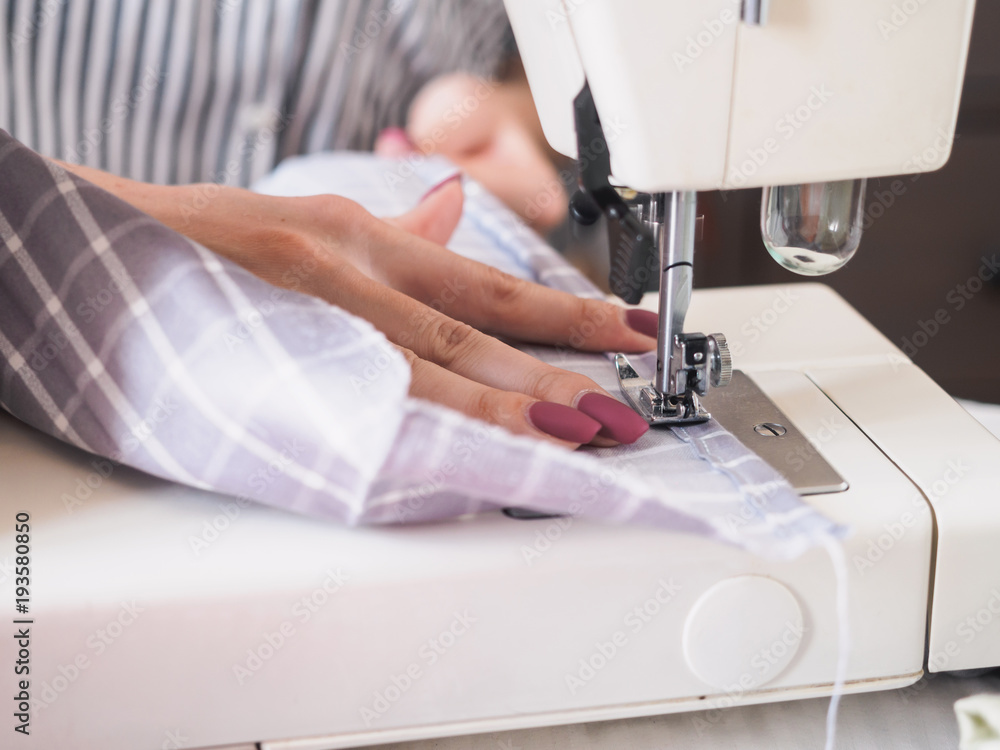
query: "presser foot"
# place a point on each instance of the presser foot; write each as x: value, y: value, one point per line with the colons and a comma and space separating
x: 653, y: 406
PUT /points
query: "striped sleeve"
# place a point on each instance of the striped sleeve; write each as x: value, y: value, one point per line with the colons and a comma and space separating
x: 177, y: 91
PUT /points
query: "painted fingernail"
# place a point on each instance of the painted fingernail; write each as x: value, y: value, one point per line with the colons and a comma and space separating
x: 563, y: 422
x: 446, y: 181
x: 643, y: 321
x: 618, y: 421
x: 394, y: 141
x: 395, y: 133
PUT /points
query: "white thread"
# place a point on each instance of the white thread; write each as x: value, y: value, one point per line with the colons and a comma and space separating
x: 839, y: 563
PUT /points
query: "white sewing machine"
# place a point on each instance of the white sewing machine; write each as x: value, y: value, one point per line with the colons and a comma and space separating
x: 166, y: 618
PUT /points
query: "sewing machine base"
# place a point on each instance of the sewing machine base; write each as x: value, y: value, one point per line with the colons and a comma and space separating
x: 255, y: 625
x: 703, y: 703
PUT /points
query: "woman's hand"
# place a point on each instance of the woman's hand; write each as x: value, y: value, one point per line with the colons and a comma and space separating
x: 441, y: 309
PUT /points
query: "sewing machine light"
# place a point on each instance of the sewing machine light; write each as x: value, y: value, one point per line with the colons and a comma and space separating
x: 813, y: 229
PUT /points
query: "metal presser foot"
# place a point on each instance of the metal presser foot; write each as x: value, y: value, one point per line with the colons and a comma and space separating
x: 658, y: 408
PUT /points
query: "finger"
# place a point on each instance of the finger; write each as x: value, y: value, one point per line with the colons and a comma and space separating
x: 501, y: 304
x: 438, y: 213
x: 515, y: 412
x: 454, y: 345
x: 463, y: 350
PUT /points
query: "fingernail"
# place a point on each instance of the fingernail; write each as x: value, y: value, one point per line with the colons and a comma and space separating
x: 618, y: 421
x: 447, y: 180
x: 563, y: 422
x: 643, y: 321
x: 396, y: 138
x: 396, y: 133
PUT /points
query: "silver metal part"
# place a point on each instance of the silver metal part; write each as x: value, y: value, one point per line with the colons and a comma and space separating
x: 687, y: 364
x: 770, y: 429
x: 742, y: 408
x: 722, y: 360
x: 755, y: 12
x: 676, y: 242
x: 653, y: 406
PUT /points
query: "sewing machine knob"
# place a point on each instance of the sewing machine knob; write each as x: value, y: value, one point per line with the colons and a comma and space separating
x: 722, y: 360
x: 584, y: 209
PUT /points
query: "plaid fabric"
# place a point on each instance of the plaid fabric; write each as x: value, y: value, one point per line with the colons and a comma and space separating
x: 129, y: 341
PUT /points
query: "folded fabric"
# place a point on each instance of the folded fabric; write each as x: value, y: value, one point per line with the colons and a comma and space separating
x: 979, y: 722
x: 130, y: 341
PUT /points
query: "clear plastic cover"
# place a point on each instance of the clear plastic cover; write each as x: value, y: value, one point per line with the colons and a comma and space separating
x: 813, y: 229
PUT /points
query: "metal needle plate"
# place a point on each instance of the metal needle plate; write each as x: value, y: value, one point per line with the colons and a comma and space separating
x: 747, y: 412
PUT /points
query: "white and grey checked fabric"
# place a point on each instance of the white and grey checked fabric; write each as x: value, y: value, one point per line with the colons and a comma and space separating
x: 129, y: 341
x: 178, y: 91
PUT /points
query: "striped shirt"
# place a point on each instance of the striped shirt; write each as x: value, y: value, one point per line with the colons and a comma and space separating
x: 179, y: 91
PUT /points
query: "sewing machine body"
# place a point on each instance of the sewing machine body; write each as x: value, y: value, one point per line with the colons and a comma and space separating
x: 695, y: 97
x: 161, y: 612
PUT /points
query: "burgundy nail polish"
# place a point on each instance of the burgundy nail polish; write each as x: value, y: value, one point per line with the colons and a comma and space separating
x: 396, y: 134
x: 398, y: 138
x: 563, y: 422
x: 393, y: 143
x: 643, y: 321
x: 618, y: 421
x: 429, y: 193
